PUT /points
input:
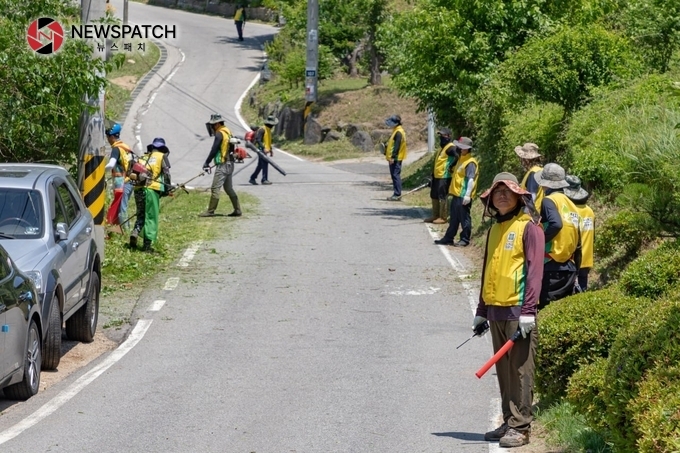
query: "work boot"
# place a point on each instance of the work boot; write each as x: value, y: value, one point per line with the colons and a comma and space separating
x: 147, y: 246
x: 497, y: 434
x: 253, y: 182
x: 266, y: 182
x: 133, y: 239
x: 439, y: 221
x: 514, y: 438
x: 237, y: 207
x: 435, y: 212
x: 212, y: 205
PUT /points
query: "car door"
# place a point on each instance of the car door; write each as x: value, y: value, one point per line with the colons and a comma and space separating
x: 68, y: 265
x: 82, y: 226
x: 12, y: 319
x: 4, y: 330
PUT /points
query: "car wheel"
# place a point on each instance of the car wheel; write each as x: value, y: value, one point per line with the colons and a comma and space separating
x: 52, y: 346
x: 30, y: 385
x: 83, y: 324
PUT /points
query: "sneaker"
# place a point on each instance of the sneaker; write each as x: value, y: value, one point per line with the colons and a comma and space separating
x: 207, y: 214
x: 393, y: 198
x: 461, y: 244
x: 235, y: 214
x: 443, y: 241
x: 514, y: 438
x: 439, y: 221
x: 253, y: 182
x: 496, y: 434
x: 266, y: 183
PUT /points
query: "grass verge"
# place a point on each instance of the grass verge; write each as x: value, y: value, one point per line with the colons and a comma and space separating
x: 567, y: 429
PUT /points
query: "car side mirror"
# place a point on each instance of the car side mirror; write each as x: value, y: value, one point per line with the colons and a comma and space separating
x: 62, y: 231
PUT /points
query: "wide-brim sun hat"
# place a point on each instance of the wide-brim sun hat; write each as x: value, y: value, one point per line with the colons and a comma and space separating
x: 527, y: 151
x: 509, y: 180
x: 463, y: 143
x: 393, y: 121
x: 271, y: 120
x: 575, y: 192
x: 551, y: 176
x: 159, y: 144
x: 216, y: 118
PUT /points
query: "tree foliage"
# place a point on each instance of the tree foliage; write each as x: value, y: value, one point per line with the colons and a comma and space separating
x: 42, y: 97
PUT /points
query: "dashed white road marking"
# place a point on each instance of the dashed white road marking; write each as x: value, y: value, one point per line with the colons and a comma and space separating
x: 156, y: 305
x: 414, y: 292
x: 171, y: 283
x: 61, y: 399
x: 189, y: 254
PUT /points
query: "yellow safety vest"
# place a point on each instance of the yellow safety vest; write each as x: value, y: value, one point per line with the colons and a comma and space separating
x: 401, y: 155
x: 221, y: 157
x: 505, y: 271
x: 587, y: 234
x: 238, y: 15
x: 540, y: 193
x: 459, y: 183
x: 154, y: 163
x: 125, y: 159
x: 562, y: 247
x: 267, y: 139
x: 442, y: 162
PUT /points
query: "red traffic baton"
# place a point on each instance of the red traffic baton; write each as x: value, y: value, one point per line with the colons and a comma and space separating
x: 497, y: 356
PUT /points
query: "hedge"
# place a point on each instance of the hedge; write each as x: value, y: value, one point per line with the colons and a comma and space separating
x: 655, y: 273
x: 586, y: 393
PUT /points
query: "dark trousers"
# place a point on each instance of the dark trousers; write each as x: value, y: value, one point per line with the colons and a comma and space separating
x: 439, y: 190
x: 459, y: 215
x: 239, y: 29
x: 263, y: 165
x: 395, y: 173
x: 515, y: 372
x: 583, y: 278
x: 556, y: 285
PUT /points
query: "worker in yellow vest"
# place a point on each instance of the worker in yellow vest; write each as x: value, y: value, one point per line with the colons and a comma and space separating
x: 240, y: 20
x: 531, y: 162
x: 580, y: 196
x: 561, y: 225
x: 462, y: 190
x: 395, y: 153
x: 441, y: 177
x: 120, y: 161
x: 263, y: 141
x: 512, y: 277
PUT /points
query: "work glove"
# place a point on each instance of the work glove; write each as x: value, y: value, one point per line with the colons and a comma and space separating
x: 526, y: 324
x: 466, y: 201
x: 206, y: 169
x: 477, y: 321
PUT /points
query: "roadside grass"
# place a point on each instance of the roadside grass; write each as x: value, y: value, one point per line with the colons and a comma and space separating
x: 124, y: 79
x: 328, y: 151
x: 125, y: 272
x: 567, y: 429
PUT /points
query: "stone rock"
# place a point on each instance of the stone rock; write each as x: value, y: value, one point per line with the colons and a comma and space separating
x: 290, y: 123
x: 341, y: 126
x: 313, y: 134
x: 351, y: 129
x: 332, y: 136
x: 362, y: 140
x: 381, y: 135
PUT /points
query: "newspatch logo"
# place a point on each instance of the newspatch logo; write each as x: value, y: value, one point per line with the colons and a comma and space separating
x: 45, y: 36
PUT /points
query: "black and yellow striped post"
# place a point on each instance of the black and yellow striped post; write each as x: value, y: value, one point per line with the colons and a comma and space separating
x: 94, y: 186
x: 91, y: 159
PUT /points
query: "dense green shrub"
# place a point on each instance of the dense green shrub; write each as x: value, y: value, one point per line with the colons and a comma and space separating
x: 657, y: 411
x: 651, y: 341
x: 577, y: 330
x: 654, y: 273
x: 586, y: 393
x: 625, y: 232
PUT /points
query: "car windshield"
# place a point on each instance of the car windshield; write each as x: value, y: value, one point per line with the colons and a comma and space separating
x: 21, y: 214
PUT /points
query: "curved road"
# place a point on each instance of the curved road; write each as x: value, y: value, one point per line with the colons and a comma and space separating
x: 326, y: 321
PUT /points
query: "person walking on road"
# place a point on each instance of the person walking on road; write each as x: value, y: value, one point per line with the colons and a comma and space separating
x: 562, y: 236
x: 240, y: 20
x: 531, y: 162
x: 222, y: 154
x: 395, y: 153
x: 511, y: 283
x: 263, y: 141
x: 151, y: 182
x: 441, y: 177
x: 120, y: 162
x: 463, y: 188
x: 580, y: 196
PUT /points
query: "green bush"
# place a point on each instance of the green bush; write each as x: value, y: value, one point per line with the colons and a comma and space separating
x: 654, y: 273
x: 586, y: 393
x: 577, y: 330
x: 625, y: 232
x: 651, y: 341
x: 657, y: 411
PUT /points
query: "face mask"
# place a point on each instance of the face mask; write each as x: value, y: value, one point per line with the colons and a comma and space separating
x: 443, y: 141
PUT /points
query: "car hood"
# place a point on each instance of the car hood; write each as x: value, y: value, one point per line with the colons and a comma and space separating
x: 26, y: 253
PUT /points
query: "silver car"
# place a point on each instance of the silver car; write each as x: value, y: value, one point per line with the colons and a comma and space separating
x: 49, y: 233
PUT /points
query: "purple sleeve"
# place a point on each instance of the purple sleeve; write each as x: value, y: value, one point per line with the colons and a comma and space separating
x: 534, y: 245
x: 482, y: 309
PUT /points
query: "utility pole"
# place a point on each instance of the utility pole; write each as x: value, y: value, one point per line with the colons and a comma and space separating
x: 312, y: 65
x: 430, y: 131
x: 91, y: 142
x: 125, y: 12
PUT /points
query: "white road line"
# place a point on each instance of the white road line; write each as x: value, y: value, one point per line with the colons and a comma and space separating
x: 156, y: 305
x: 171, y: 283
x: 189, y: 254
x: 61, y: 399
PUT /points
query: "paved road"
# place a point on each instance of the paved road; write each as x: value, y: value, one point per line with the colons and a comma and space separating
x: 326, y: 321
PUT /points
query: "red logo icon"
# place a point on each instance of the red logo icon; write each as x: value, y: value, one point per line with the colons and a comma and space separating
x: 45, y: 35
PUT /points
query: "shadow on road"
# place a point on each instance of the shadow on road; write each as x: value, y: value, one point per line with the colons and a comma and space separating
x: 477, y: 437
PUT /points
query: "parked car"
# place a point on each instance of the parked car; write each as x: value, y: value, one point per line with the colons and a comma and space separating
x: 20, y: 327
x: 49, y: 233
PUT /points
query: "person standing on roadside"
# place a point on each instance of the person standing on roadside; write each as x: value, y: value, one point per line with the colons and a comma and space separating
x: 531, y: 162
x: 580, y: 196
x: 463, y: 188
x: 263, y: 141
x: 395, y: 153
x: 240, y: 20
x: 441, y: 177
x: 119, y: 163
x: 222, y: 154
x: 511, y: 283
x: 562, y: 236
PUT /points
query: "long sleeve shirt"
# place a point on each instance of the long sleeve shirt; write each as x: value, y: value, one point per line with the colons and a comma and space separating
x: 397, y: 144
x: 217, y: 145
